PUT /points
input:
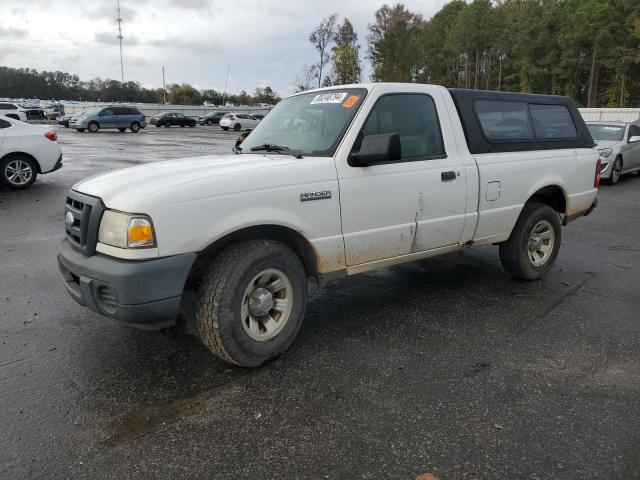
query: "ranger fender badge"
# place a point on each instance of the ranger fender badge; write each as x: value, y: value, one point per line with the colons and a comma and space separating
x: 308, y: 196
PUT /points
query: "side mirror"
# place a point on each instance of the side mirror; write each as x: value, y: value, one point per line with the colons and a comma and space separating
x: 376, y: 149
x: 634, y: 139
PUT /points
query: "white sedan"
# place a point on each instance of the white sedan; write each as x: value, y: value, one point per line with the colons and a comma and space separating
x: 238, y: 121
x: 25, y: 151
x: 13, y: 110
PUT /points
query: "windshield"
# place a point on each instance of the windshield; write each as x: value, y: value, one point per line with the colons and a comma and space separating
x: 311, y: 123
x: 613, y: 133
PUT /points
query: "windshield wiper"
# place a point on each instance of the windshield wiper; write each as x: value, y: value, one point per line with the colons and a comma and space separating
x: 270, y: 147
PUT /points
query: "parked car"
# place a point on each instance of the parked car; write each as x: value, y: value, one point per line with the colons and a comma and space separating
x: 26, y: 151
x: 619, y: 146
x: 120, y: 117
x: 65, y: 119
x: 212, y: 118
x: 334, y: 182
x: 169, y: 119
x: 54, y: 110
x: 13, y: 110
x: 238, y: 121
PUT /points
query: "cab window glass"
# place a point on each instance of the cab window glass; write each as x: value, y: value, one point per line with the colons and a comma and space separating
x: 552, y: 121
x: 501, y: 120
x: 634, y: 131
x: 413, y: 117
x: 107, y: 112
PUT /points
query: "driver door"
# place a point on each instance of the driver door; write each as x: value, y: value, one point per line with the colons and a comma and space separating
x: 406, y: 206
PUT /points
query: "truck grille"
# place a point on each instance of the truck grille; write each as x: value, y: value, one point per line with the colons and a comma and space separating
x: 82, y: 220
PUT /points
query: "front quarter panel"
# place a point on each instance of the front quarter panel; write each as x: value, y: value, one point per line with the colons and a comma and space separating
x: 192, y: 216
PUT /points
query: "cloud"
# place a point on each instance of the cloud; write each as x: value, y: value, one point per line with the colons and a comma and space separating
x: 12, y: 33
x: 110, y: 38
x: 204, y: 45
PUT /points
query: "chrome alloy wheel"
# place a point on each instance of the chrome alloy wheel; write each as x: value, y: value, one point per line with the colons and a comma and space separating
x: 616, y: 170
x: 541, y: 243
x: 18, y: 172
x: 267, y: 304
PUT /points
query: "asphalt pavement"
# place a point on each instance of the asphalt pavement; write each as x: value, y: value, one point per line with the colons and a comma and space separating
x: 445, y: 366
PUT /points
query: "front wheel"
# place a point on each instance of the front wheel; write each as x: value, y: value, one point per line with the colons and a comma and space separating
x: 616, y: 172
x: 93, y: 127
x: 122, y: 130
x: 533, y: 246
x: 18, y: 172
x: 80, y: 130
x: 225, y: 128
x: 209, y: 122
x: 251, y: 302
x: 237, y: 127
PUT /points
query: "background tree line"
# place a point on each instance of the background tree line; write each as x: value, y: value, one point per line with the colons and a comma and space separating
x: 28, y: 83
x: 586, y: 49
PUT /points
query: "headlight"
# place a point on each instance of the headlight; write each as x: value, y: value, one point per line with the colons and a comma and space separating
x: 605, y: 152
x: 124, y: 230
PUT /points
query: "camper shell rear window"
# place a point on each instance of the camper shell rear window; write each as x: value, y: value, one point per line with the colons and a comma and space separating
x: 510, y: 122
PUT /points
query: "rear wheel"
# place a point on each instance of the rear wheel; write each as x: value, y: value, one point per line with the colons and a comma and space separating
x: 80, y: 130
x: 166, y: 124
x: 122, y: 129
x: 18, y: 172
x: 252, y: 302
x: 533, y: 246
x: 134, y: 127
x: 93, y: 127
x: 616, y: 171
x: 209, y: 122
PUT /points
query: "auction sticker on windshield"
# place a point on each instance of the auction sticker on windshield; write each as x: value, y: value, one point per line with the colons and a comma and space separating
x: 333, y: 97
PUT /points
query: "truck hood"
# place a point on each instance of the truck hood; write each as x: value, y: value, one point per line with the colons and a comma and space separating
x: 121, y: 188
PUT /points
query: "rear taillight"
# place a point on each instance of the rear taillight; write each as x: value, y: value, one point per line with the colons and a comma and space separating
x: 51, y: 135
x: 596, y: 181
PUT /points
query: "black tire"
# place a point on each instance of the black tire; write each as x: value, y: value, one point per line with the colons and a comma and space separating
x: 192, y: 125
x: 134, y: 127
x: 158, y: 125
x: 222, y: 294
x: 225, y: 128
x: 182, y: 125
x: 237, y: 127
x: 515, y: 252
x: 24, y: 163
x: 122, y: 130
x: 80, y: 130
x: 93, y: 127
x: 166, y: 124
x: 616, y: 172
x: 209, y: 122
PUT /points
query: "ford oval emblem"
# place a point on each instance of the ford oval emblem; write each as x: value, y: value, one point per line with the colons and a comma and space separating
x: 69, y: 219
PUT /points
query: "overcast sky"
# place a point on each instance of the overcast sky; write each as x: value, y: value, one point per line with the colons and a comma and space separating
x: 265, y: 41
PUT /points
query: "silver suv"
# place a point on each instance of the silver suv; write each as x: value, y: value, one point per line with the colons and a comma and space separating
x: 109, y: 117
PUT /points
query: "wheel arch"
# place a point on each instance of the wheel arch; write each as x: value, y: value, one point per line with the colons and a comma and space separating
x: 551, y: 195
x: 24, y: 154
x: 286, y: 235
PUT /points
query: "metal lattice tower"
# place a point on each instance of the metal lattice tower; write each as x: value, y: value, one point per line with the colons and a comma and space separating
x: 119, y: 20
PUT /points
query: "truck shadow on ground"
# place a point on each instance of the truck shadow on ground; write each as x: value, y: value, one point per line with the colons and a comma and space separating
x: 421, y: 306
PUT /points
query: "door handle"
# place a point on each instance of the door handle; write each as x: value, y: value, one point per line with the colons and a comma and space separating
x: 448, y: 176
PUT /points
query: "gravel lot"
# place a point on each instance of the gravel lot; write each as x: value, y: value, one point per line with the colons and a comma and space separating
x: 444, y: 366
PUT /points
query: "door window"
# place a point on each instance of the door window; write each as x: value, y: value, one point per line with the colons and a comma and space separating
x: 634, y: 130
x: 107, y: 112
x: 414, y: 118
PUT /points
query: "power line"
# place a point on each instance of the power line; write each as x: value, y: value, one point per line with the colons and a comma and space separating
x: 119, y: 20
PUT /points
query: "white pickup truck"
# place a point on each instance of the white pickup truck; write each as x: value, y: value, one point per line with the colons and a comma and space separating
x: 333, y: 182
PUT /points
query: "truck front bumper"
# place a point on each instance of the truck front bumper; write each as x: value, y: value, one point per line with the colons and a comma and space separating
x: 144, y: 294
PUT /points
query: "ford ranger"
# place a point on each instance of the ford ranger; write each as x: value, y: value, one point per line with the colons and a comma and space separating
x: 333, y: 182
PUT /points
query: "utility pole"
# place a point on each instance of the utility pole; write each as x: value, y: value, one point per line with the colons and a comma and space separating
x: 164, y: 89
x: 224, y: 93
x: 119, y: 20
